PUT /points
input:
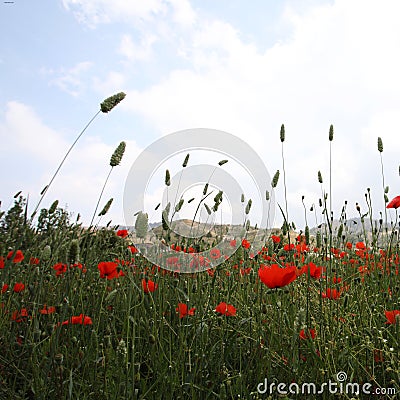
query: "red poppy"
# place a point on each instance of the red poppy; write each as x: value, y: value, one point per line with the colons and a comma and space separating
x: 315, y: 272
x: 149, y: 286
x: 232, y: 243
x: 79, y: 320
x: 4, y: 288
x: 19, y: 287
x: 183, y: 311
x: 47, y: 310
x: 60, y: 268
x: 226, y: 309
x: 331, y: 294
x: 349, y: 245
x: 18, y: 316
x: 391, y: 316
x: 34, y: 261
x: 245, y: 244
x: 215, y: 254
x: 18, y: 257
x: 395, y: 203
x: 307, y: 335
x: 288, y: 247
x: 1, y: 262
x: 108, y: 269
x: 133, y: 249
x: 336, y: 279
x: 276, y: 239
x: 122, y: 233
x: 360, y: 246
x: 274, y: 276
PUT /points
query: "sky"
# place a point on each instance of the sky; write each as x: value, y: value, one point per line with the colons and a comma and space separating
x: 242, y: 67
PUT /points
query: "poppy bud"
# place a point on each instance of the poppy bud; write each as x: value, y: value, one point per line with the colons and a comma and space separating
x: 205, y: 189
x: 248, y: 206
x: 320, y: 177
x: 266, y: 195
x: 222, y: 162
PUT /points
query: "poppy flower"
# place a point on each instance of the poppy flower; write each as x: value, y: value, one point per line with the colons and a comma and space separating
x: 149, y: 286
x: 18, y: 316
x: 47, y: 310
x: 274, y: 276
x: 18, y: 257
x: 215, y: 254
x: 288, y: 247
x: 245, y: 244
x: 276, y: 239
x: 79, y: 320
x: 314, y: 271
x: 226, y: 309
x: 133, y: 249
x: 331, y: 294
x: 395, y: 203
x: 391, y: 316
x: 4, y: 288
x: 360, y: 246
x: 60, y: 268
x: 122, y: 233
x: 19, y: 287
x: 232, y: 243
x: 307, y: 335
x: 108, y: 269
x: 1, y: 262
x: 34, y: 261
x: 183, y: 311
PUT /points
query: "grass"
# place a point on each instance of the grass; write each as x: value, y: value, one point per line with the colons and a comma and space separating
x: 96, y: 320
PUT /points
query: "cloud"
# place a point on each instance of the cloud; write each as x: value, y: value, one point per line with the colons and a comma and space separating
x: 94, y: 12
x: 133, y: 51
x: 72, y: 80
x: 34, y: 151
x: 331, y: 68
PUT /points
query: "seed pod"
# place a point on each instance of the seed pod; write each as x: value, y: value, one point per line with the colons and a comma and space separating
x: 106, y: 208
x: 320, y: 177
x: 53, y: 207
x: 167, y: 178
x: 331, y: 133
x: 248, y: 206
x: 118, y: 154
x: 110, y: 102
x: 73, y: 252
x: 275, y: 179
x: 185, y: 162
x: 380, y: 145
x: 282, y: 133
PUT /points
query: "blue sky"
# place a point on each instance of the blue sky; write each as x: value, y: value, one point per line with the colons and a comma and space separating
x: 241, y: 67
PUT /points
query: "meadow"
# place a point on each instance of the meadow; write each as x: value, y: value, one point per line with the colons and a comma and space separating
x: 85, y: 316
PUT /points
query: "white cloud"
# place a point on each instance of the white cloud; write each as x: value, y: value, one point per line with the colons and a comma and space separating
x: 94, y: 12
x: 133, y: 51
x: 114, y: 82
x: 71, y: 80
x: 333, y: 69
x: 34, y: 151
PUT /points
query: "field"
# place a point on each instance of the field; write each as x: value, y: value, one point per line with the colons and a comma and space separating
x: 85, y: 316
